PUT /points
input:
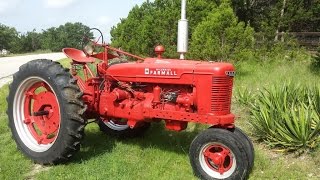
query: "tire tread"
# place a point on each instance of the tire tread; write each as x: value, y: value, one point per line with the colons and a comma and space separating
x: 69, y: 96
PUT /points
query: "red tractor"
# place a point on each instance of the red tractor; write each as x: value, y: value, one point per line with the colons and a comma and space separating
x: 48, y: 106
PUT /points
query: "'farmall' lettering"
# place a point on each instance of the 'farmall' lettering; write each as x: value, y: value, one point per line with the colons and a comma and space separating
x: 160, y: 72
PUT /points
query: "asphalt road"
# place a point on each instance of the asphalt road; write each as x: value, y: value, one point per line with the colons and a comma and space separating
x: 10, y: 65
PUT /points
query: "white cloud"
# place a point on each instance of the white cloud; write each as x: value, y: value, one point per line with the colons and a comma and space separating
x: 6, y: 5
x: 104, y: 24
x: 58, y: 3
x: 103, y: 20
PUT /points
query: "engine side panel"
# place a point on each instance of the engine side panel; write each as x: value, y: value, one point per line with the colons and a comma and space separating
x: 173, y: 90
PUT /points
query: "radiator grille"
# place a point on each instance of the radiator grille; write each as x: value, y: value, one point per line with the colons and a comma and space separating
x: 221, y: 91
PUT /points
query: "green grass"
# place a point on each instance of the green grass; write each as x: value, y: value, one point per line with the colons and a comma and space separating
x: 159, y: 155
x: 252, y: 76
x: 12, y: 162
x: 65, y: 62
x: 163, y: 154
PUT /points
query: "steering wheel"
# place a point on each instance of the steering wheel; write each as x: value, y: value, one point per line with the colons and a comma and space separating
x: 90, y: 44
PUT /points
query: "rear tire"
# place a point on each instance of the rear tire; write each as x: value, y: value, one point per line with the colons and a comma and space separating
x: 45, y: 112
x: 112, y: 128
x: 216, y: 154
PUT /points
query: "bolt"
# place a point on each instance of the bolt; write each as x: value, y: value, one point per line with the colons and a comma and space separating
x: 40, y: 140
x: 27, y: 121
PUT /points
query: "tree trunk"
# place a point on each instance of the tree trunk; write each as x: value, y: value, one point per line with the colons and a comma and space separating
x: 280, y: 21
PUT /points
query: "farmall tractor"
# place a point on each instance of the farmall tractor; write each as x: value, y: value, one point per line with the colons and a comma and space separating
x: 49, y: 106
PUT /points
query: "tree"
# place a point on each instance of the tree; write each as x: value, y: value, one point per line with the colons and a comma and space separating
x: 265, y: 15
x: 280, y: 21
x: 29, y: 42
x: 156, y: 23
x: 67, y: 35
x: 302, y: 15
x: 54, y: 39
x: 220, y: 35
x: 8, y: 38
x: 147, y: 26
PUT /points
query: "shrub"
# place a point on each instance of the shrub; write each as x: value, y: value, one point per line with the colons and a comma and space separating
x: 244, y: 96
x: 221, y: 35
x: 287, y: 116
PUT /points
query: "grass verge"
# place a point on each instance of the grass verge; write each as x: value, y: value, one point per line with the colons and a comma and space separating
x: 12, y: 163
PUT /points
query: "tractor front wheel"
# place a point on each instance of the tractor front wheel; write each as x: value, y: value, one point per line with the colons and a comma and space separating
x: 216, y: 154
x: 45, y: 112
x: 249, y: 149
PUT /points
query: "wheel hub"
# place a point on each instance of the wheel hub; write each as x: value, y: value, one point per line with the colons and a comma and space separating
x: 218, y: 158
x: 41, y: 111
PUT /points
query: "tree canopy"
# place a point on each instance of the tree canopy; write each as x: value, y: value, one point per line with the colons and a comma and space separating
x: 214, y: 31
x: 217, y: 28
x: 220, y: 35
x: 54, y: 39
x: 8, y: 37
x: 156, y: 23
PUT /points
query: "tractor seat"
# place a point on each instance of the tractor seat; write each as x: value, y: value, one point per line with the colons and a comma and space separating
x: 77, y: 55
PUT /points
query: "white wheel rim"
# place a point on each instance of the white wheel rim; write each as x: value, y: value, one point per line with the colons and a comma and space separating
x: 18, y: 116
x: 210, y: 171
x: 114, y: 126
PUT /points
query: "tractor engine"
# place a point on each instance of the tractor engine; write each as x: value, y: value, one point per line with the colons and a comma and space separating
x: 177, y: 91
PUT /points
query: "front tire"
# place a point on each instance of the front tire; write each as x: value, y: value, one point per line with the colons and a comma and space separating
x: 216, y: 154
x: 249, y: 149
x: 45, y: 112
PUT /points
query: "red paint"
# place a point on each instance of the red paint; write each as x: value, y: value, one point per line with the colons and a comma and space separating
x: 176, y: 125
x: 156, y: 94
x: 103, y: 54
x: 77, y: 55
x: 218, y: 158
x: 159, y: 50
x: 153, y: 89
x: 42, y: 113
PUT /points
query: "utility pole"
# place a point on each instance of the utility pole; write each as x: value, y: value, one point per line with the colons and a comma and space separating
x: 183, y: 31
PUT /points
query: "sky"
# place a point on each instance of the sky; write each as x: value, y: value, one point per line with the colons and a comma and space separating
x: 26, y: 15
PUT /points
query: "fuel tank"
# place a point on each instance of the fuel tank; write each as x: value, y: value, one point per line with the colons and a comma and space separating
x: 168, y: 71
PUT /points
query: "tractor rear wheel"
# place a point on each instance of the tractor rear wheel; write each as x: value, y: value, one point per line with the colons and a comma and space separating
x: 120, y: 129
x: 216, y: 154
x: 45, y: 112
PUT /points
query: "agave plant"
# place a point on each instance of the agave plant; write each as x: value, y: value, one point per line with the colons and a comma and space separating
x: 287, y: 116
x: 244, y: 96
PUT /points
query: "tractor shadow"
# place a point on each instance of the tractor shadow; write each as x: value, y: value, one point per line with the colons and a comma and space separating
x: 161, y: 138
x: 96, y: 143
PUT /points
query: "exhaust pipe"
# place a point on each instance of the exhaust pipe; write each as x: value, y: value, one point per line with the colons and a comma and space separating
x: 183, y: 31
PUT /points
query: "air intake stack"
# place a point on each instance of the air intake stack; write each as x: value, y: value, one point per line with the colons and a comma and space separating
x: 183, y: 31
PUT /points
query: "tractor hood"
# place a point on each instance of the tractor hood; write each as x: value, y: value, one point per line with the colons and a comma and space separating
x: 154, y: 68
